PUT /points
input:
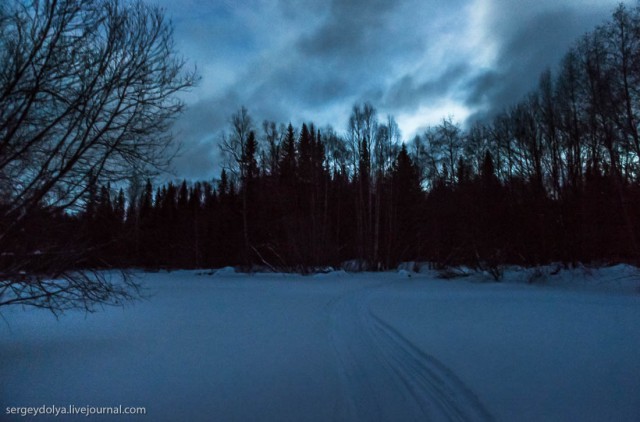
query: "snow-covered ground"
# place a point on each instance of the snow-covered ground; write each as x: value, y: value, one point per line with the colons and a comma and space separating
x: 386, y: 346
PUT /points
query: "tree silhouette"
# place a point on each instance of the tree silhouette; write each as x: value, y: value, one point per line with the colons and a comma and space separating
x: 87, y: 91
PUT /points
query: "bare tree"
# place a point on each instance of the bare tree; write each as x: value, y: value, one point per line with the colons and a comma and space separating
x: 387, y: 139
x: 236, y: 151
x: 87, y: 93
x: 447, y: 144
x: 363, y: 124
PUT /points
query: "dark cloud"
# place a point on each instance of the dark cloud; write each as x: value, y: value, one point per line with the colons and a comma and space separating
x: 302, y: 85
x: 408, y: 93
x: 350, y: 31
x: 198, y: 131
x: 354, y: 48
x: 287, y: 60
x: 195, y: 161
x: 529, y: 46
x: 482, y: 89
x: 348, y: 52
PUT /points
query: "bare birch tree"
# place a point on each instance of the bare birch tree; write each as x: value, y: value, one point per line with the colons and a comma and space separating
x: 88, y: 91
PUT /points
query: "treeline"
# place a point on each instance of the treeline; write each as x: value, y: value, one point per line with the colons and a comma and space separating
x: 566, y: 158
x: 553, y: 178
x: 294, y: 216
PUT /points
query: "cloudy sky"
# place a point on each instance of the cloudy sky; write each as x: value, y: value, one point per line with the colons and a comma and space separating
x: 312, y: 60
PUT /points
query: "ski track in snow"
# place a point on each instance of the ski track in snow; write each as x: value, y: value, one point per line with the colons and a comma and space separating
x: 386, y: 377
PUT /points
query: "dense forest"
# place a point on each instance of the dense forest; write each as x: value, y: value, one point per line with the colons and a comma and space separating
x: 554, y: 178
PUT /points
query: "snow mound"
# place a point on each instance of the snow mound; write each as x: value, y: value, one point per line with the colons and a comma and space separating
x: 331, y: 274
x: 410, y: 266
x: 405, y: 273
x: 225, y: 271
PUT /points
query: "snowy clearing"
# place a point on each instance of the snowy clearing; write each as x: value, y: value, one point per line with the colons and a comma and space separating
x: 341, y: 346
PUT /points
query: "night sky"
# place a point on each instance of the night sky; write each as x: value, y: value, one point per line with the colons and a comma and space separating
x: 312, y: 60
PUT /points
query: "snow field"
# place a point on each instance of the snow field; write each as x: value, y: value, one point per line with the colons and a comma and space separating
x: 340, y: 346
